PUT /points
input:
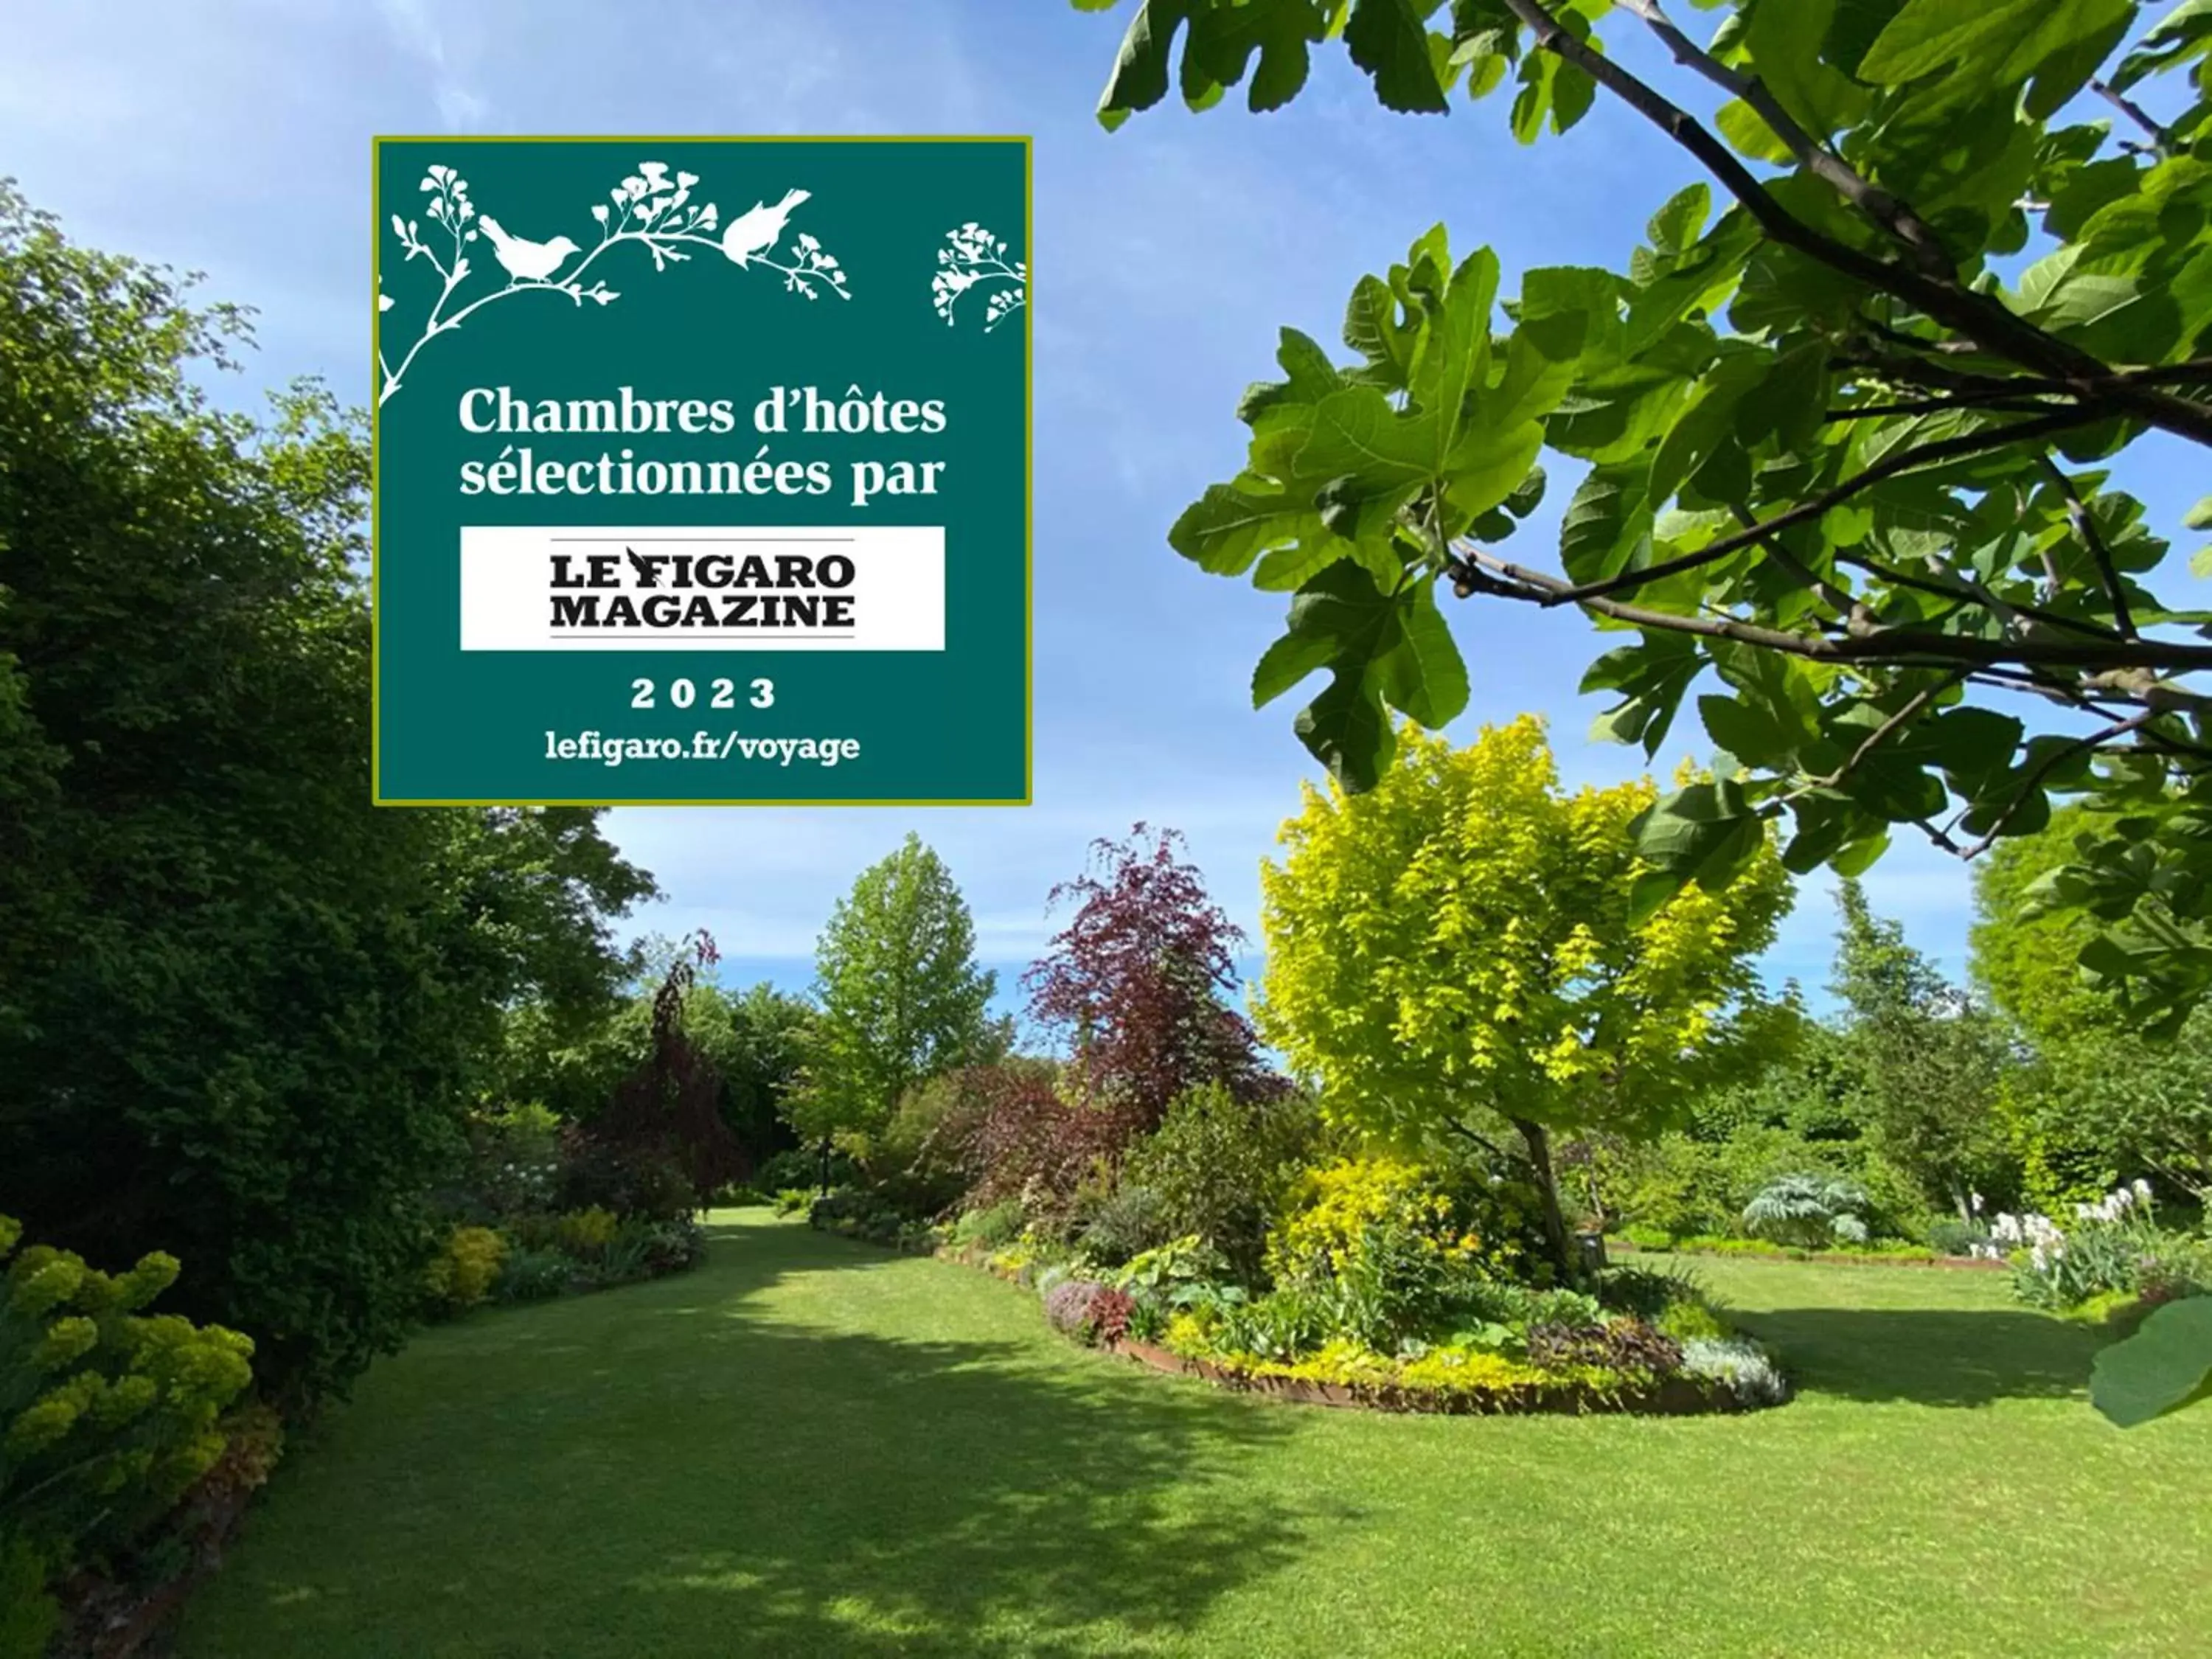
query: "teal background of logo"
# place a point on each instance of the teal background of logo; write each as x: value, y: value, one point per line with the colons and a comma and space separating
x: 934, y: 727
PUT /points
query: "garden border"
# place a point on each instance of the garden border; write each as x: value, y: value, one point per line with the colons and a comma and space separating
x: 1676, y: 1396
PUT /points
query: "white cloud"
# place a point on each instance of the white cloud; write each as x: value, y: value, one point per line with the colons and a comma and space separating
x: 461, y: 106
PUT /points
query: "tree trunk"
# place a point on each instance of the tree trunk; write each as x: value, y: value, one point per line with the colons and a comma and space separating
x: 824, y: 1167
x: 1539, y: 1143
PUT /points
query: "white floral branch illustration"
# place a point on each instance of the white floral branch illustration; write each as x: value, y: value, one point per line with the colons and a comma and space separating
x: 973, y: 258
x: 648, y: 208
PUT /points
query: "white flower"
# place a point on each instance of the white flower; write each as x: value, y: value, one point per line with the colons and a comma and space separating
x: 2142, y: 1188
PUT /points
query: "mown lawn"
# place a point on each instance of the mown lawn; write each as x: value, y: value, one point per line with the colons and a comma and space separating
x: 809, y: 1447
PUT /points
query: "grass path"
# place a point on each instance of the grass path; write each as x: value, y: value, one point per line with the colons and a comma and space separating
x: 809, y: 1447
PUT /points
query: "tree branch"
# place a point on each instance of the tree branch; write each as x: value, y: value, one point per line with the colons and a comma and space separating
x: 1904, y: 460
x: 1814, y: 155
x: 1896, y: 577
x: 2005, y: 402
x: 1483, y: 1141
x: 1856, y: 616
x: 1471, y: 573
x: 2119, y: 101
x: 2198, y: 369
x: 2085, y: 526
x: 1978, y: 316
x: 1881, y: 733
x: 2033, y: 783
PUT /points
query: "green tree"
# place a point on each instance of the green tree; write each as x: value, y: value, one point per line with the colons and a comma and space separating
x: 240, y: 1009
x: 754, y: 1039
x: 1463, y: 944
x: 1845, y: 447
x: 2026, y: 960
x: 901, y: 997
x: 2105, y: 1103
x: 1931, y: 1059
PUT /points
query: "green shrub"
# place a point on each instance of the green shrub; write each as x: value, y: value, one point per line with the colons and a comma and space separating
x: 2114, y: 1244
x: 1131, y: 1220
x: 1222, y: 1166
x: 920, y: 1160
x: 865, y: 1216
x: 28, y: 1615
x: 1288, y: 1321
x: 585, y: 1232
x: 1948, y: 1236
x: 1693, y: 1319
x: 1811, y: 1211
x: 993, y: 1225
x: 108, y: 1415
x: 1646, y: 1292
x: 1684, y: 1187
x: 515, y: 1162
x: 794, y: 1201
x: 533, y: 1275
x: 645, y: 1249
x: 1645, y: 1237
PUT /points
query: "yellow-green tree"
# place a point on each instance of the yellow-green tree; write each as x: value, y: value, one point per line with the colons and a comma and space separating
x: 1465, y: 944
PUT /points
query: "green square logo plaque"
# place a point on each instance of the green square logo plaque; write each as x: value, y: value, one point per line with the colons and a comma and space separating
x: 701, y: 470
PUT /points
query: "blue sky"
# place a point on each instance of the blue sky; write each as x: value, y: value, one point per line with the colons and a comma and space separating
x: 233, y: 138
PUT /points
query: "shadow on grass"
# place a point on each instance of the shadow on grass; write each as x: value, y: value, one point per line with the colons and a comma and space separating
x: 666, y: 1470
x: 1929, y: 1356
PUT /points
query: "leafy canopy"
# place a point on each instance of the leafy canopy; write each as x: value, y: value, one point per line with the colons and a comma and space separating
x: 2111, y: 1102
x: 1462, y: 940
x: 900, y: 994
x: 1843, y: 425
x: 242, y: 1009
x: 1931, y: 1059
x: 1136, y: 983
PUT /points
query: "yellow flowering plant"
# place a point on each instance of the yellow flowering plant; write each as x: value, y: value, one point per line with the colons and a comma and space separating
x: 465, y: 1267
x: 107, y: 1414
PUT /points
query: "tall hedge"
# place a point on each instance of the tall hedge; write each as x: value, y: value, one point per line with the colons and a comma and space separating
x: 238, y: 1004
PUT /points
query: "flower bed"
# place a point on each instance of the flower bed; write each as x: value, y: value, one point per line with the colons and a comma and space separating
x: 1621, y: 1365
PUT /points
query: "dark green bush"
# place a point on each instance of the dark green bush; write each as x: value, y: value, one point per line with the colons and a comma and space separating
x: 1948, y: 1236
x: 1646, y: 1292
x: 863, y: 1215
x: 597, y: 1175
x: 241, y: 1006
x: 1221, y: 1165
x: 533, y: 1276
x: 1129, y: 1221
x: 802, y: 1167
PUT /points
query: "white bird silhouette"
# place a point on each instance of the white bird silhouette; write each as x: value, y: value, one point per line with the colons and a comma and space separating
x: 756, y: 230
x: 525, y: 261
